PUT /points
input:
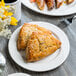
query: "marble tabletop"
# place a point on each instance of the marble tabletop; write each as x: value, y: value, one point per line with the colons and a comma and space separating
x: 68, y: 68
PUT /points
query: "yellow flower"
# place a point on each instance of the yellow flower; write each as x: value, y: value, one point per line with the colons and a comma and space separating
x: 10, y: 13
x: 3, y: 18
x: 13, y: 21
x: 0, y: 17
x: 6, y: 13
x: 8, y: 6
x: 2, y: 3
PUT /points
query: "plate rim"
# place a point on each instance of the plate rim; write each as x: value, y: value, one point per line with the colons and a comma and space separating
x: 47, y: 69
x: 44, y: 13
x: 19, y: 73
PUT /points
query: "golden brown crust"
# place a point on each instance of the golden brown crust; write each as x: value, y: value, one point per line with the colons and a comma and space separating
x: 69, y: 1
x: 59, y: 3
x: 50, y: 4
x: 40, y: 4
x: 41, y: 45
x: 25, y: 33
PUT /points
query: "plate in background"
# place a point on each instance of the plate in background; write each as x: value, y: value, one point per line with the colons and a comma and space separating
x: 62, y: 11
x: 18, y: 74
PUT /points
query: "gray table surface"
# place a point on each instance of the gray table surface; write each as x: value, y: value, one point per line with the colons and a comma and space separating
x: 68, y: 68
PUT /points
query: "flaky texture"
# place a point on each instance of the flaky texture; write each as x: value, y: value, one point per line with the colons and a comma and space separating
x: 25, y: 33
x: 41, y: 45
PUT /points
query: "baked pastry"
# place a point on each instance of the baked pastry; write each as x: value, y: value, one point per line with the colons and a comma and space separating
x: 40, y: 4
x: 69, y: 1
x: 50, y: 4
x: 25, y: 33
x: 41, y: 45
x: 32, y: 1
x: 59, y: 3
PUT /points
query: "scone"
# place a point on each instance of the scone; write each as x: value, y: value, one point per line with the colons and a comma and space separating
x: 69, y: 1
x: 58, y: 3
x: 25, y: 33
x: 41, y: 45
x: 50, y: 4
x: 40, y: 4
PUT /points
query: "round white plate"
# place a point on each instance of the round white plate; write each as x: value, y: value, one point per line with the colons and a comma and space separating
x: 63, y: 10
x: 48, y: 63
x: 19, y: 74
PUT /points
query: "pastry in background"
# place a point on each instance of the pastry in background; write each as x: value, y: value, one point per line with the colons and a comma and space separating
x: 40, y: 4
x: 50, y: 4
x: 58, y: 3
x: 32, y: 1
x: 69, y: 1
x: 41, y: 45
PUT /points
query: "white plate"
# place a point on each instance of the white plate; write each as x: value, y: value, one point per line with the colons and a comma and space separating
x: 19, y: 74
x: 63, y: 10
x: 48, y: 63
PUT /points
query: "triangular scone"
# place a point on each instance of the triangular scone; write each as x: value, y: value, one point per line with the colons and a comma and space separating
x: 41, y: 45
x: 25, y: 33
x: 69, y: 1
x: 58, y: 3
x: 40, y: 4
x: 50, y: 4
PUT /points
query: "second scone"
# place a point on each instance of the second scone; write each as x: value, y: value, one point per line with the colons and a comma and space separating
x: 41, y: 45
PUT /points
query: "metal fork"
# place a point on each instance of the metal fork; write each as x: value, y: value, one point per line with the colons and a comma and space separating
x: 65, y: 22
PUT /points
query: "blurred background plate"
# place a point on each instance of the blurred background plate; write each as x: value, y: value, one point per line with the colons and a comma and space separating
x: 18, y: 74
x: 62, y: 11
